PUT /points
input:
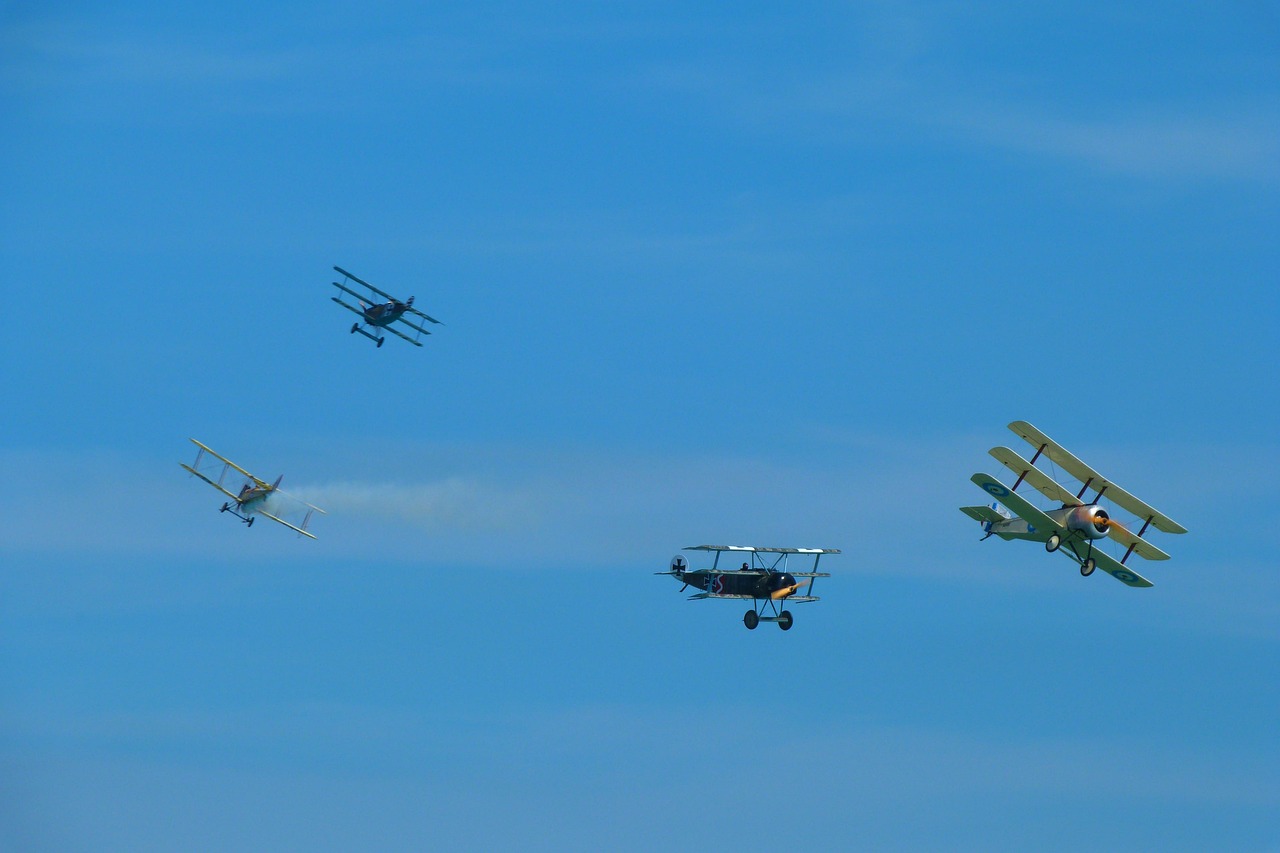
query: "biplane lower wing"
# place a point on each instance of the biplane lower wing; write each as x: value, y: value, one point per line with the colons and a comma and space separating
x: 292, y: 527
x: 222, y: 489
x: 1041, y: 525
x: 359, y: 280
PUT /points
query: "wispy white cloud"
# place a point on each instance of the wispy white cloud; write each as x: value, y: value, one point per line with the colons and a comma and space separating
x: 1178, y: 144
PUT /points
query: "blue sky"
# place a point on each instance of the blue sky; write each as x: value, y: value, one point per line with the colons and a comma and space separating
x: 708, y: 274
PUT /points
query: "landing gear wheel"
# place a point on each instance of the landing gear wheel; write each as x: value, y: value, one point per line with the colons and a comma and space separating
x: 1053, y: 542
x: 785, y: 620
x: 380, y: 340
x: 251, y: 520
x: 1087, y: 567
x: 751, y: 620
x: 225, y: 507
x: 355, y: 327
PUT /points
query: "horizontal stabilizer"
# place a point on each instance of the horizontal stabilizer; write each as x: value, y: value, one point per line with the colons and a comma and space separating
x: 983, y: 513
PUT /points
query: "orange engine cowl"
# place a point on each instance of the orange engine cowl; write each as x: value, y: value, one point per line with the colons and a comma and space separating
x: 1092, y: 521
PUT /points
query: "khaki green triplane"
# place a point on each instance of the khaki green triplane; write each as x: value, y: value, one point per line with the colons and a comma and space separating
x: 1074, y: 526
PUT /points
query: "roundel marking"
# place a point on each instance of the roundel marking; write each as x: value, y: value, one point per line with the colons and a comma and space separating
x: 995, y: 489
x: 1124, y: 576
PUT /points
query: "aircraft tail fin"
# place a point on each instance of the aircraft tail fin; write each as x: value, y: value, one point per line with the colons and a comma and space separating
x: 276, y: 484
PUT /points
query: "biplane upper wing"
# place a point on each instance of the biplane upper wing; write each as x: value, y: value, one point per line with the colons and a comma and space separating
x: 1040, y: 523
x: 262, y: 484
x: 1038, y: 479
x: 1065, y: 460
x: 361, y: 281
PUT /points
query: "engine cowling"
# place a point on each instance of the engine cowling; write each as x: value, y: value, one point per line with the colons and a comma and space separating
x: 1092, y: 521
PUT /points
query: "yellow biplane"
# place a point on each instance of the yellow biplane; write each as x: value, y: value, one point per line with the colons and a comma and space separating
x: 255, y: 496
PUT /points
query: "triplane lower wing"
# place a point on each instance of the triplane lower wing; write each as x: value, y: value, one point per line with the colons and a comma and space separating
x: 380, y: 310
x: 1079, y: 522
x: 255, y: 497
x: 763, y: 579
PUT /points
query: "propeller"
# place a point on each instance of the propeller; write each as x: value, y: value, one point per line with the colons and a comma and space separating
x: 788, y: 591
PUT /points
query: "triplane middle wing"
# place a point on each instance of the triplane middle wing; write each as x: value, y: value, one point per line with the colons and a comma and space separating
x: 255, y: 497
x: 763, y: 579
x: 1078, y: 523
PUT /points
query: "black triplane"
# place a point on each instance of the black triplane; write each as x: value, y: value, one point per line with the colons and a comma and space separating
x: 381, y: 311
x: 762, y: 580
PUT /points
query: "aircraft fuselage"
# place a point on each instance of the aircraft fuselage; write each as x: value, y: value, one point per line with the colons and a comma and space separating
x: 385, y: 313
x: 754, y: 584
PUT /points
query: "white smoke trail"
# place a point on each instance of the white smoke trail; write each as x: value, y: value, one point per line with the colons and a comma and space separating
x: 451, y: 504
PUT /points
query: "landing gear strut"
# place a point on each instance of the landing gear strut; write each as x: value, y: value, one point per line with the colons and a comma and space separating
x: 755, y: 616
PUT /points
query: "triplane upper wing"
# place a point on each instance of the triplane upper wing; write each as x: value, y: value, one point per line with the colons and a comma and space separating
x: 255, y: 497
x: 358, y: 280
x: 1092, y: 479
x: 762, y: 580
x: 1079, y: 521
